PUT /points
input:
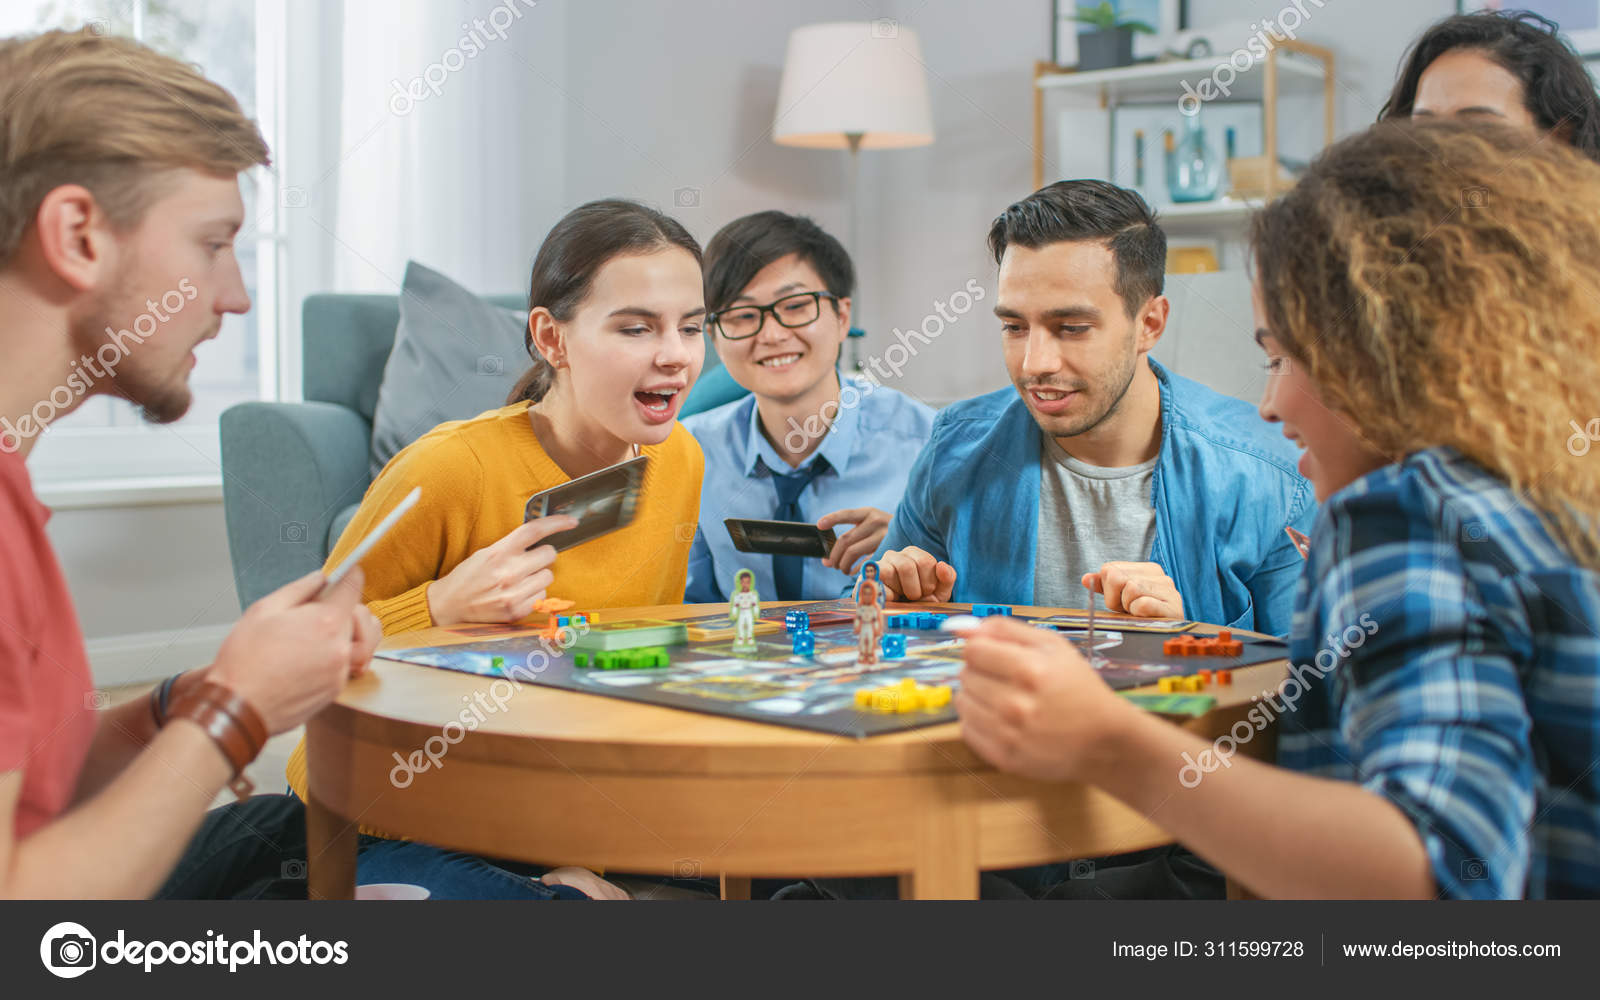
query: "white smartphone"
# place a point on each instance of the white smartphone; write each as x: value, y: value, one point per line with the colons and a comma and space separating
x: 378, y: 531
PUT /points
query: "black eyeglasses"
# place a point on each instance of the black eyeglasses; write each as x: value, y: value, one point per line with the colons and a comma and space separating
x: 743, y: 322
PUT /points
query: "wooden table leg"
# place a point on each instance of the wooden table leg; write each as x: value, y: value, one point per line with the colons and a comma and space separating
x: 330, y: 853
x: 946, y: 865
x: 735, y: 886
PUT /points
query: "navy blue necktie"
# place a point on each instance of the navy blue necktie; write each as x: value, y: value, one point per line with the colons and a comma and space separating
x: 788, y: 570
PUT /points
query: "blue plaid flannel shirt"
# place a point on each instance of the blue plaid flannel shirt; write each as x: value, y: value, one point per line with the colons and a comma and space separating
x: 1448, y: 652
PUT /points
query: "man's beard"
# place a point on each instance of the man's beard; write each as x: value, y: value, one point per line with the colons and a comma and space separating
x: 1110, y: 390
x: 162, y: 397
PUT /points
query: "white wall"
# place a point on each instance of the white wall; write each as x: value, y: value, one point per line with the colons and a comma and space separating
x: 641, y: 99
x: 152, y: 583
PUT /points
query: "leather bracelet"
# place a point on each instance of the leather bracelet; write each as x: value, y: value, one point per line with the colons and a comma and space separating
x: 232, y: 724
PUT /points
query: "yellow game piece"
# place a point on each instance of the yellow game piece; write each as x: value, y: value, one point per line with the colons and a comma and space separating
x: 938, y: 697
x: 1167, y: 685
x: 908, y: 684
x: 864, y: 698
x: 884, y: 701
x: 1193, y: 685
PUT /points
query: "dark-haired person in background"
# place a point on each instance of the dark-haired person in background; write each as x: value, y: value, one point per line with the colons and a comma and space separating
x: 1101, y: 468
x: 1512, y: 66
x: 805, y: 445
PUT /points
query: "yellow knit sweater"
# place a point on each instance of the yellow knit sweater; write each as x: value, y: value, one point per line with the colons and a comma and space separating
x: 476, y: 477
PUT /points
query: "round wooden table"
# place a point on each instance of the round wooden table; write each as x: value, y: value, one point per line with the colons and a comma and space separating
x: 559, y: 777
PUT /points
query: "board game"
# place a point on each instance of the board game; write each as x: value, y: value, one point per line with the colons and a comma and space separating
x: 775, y: 685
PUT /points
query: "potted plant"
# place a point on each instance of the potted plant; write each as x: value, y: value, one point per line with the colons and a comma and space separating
x: 1111, y: 42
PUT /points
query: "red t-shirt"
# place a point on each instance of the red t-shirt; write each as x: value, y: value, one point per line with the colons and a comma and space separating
x: 47, y: 713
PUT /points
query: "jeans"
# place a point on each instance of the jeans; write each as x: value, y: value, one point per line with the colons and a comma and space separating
x: 256, y: 849
x: 1170, y: 872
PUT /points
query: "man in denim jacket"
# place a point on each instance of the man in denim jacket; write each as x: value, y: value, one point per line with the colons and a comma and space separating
x: 1102, y: 469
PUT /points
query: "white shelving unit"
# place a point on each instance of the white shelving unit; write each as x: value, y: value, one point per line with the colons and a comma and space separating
x: 1291, y: 66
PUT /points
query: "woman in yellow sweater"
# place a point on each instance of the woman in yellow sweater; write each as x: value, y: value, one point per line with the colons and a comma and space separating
x: 615, y: 320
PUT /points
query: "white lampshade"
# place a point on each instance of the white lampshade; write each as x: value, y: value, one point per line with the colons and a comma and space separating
x: 863, y: 77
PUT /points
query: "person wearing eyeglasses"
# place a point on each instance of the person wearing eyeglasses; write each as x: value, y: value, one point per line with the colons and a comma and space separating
x: 806, y: 444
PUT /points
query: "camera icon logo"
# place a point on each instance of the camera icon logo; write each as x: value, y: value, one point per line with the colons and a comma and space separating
x: 686, y: 868
x: 885, y: 27
x: 491, y: 364
x: 295, y: 197
x: 294, y: 533
x: 684, y: 532
x: 1474, y: 531
x: 68, y: 950
x: 94, y: 701
x: 1474, y: 197
x: 1081, y: 869
x: 686, y: 198
x: 293, y: 869
x: 1472, y: 869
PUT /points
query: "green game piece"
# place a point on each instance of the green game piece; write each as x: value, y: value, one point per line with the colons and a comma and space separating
x: 497, y: 664
x: 1174, y: 704
x: 581, y: 660
x: 627, y: 659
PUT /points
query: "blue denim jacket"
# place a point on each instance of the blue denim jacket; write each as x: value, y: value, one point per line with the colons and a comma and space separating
x: 1224, y: 487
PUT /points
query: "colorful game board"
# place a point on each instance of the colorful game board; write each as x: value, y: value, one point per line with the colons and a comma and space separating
x: 775, y: 685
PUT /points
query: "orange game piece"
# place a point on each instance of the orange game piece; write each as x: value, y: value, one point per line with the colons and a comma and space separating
x: 1225, y: 677
x: 1205, y: 676
x: 1221, y: 644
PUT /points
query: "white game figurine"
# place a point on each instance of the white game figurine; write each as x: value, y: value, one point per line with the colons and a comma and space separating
x: 743, y: 611
x: 869, y: 622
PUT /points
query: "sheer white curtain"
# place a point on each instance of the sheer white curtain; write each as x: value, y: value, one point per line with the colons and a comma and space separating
x: 445, y: 141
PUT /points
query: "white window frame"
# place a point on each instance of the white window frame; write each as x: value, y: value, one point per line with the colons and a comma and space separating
x: 79, y: 463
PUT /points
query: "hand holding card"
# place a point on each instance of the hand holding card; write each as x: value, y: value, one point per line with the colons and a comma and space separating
x: 502, y: 582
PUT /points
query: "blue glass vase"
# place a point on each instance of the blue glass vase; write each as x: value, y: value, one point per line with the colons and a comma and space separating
x: 1194, y: 170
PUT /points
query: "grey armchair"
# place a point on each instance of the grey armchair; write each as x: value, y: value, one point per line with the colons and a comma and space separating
x: 293, y: 473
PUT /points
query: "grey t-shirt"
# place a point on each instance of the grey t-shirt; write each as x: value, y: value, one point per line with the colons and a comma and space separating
x: 1088, y: 516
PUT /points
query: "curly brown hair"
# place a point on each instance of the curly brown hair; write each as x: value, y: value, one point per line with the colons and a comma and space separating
x: 1440, y: 281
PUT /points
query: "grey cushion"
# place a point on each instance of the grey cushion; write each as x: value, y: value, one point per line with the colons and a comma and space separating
x: 454, y: 356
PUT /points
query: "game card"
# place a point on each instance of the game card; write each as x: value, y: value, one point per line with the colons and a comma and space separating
x: 601, y: 501
x: 780, y: 538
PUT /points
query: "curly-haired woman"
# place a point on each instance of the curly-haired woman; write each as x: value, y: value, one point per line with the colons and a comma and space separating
x: 1428, y: 298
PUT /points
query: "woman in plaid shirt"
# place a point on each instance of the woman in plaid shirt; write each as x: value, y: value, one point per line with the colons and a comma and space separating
x: 1428, y: 298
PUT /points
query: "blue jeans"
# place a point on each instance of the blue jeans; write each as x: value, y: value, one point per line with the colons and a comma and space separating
x: 451, y: 874
x: 256, y: 849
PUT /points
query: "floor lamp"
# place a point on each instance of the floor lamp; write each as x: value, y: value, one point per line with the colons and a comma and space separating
x: 853, y: 85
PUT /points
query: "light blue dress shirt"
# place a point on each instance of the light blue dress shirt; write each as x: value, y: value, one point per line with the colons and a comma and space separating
x: 870, y: 448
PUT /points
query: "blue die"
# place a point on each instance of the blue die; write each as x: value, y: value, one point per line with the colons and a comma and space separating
x: 894, y: 646
x: 804, y: 643
x: 797, y: 621
x: 988, y: 610
x: 562, y: 621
